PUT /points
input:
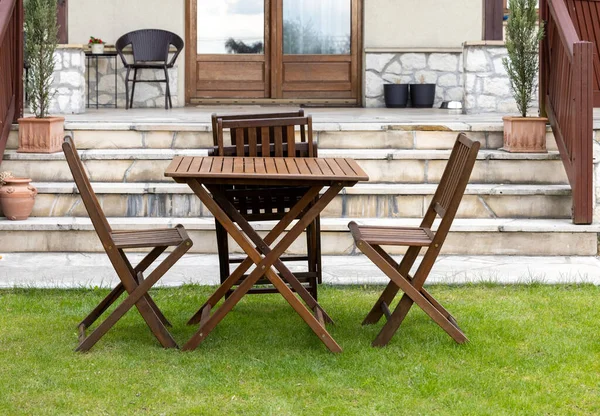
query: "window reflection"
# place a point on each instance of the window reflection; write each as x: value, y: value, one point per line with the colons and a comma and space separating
x: 316, y: 27
x: 230, y: 26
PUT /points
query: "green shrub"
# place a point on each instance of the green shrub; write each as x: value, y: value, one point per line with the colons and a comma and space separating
x: 523, y: 36
x: 41, y: 29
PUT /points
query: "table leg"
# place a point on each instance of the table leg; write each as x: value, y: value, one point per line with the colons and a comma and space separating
x: 116, y: 92
x: 263, y: 266
x: 263, y: 247
x: 87, y: 59
x: 96, y: 82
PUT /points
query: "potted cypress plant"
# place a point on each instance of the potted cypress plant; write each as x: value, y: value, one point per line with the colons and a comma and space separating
x: 396, y: 95
x: 41, y: 133
x: 524, y: 32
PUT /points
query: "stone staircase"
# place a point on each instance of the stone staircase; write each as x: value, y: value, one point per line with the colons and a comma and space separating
x: 515, y: 204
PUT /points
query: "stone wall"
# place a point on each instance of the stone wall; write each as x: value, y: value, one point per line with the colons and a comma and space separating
x: 486, y: 83
x: 146, y: 94
x: 69, y: 81
x: 475, y: 76
x: 443, y: 69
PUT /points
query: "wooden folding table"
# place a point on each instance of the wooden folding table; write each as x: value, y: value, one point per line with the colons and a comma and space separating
x: 204, y: 175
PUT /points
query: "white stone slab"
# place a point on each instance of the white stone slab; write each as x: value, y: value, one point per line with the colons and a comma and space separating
x: 88, y: 270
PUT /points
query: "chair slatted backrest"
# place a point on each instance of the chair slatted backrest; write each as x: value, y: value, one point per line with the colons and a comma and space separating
x: 87, y: 193
x: 452, y: 186
x: 272, y: 137
x: 214, y: 117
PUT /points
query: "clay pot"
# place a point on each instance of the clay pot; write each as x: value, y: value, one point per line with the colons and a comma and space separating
x: 17, y: 197
x: 525, y: 134
x: 41, y: 135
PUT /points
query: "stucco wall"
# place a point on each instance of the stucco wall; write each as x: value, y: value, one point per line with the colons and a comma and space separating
x: 109, y: 19
x: 421, y: 23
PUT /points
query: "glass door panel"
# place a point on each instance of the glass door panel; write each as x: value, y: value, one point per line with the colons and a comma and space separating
x: 316, y: 27
x: 230, y: 27
x: 319, y: 45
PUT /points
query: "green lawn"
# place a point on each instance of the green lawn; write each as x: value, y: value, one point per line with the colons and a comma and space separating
x: 534, y: 350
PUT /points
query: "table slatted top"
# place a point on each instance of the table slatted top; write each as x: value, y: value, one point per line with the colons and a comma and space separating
x: 266, y: 168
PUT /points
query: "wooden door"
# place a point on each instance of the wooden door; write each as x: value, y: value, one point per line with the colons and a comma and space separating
x: 586, y: 17
x: 279, y: 51
x: 317, y: 47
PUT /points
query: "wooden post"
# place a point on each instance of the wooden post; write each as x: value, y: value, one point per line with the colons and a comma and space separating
x: 62, y: 17
x: 543, y: 70
x: 493, y: 17
x: 583, y: 210
x: 18, y: 79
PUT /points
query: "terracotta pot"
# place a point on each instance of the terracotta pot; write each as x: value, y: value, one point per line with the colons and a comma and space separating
x: 17, y: 197
x: 525, y: 134
x: 41, y: 135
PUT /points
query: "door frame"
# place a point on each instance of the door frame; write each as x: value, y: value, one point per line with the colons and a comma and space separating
x: 273, y: 52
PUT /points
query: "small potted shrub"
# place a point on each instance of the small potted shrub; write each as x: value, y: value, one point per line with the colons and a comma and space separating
x: 422, y: 95
x: 396, y: 95
x: 523, y: 36
x: 41, y: 133
x: 96, y: 45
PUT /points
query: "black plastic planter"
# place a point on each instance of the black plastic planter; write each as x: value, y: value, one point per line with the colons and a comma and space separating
x: 396, y: 95
x: 422, y: 95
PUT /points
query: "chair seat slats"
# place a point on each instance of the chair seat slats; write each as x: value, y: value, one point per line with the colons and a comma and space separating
x: 395, y: 236
x: 147, y: 238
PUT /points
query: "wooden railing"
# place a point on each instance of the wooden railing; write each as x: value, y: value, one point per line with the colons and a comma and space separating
x: 11, y: 67
x: 566, y: 97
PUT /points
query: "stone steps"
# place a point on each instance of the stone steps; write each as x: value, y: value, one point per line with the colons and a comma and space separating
x: 382, y: 165
x: 523, y: 237
x: 359, y: 135
x: 160, y: 199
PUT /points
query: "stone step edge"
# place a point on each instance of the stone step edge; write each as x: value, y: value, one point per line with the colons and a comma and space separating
x: 358, y: 154
x: 497, y: 225
x: 205, y: 126
x: 91, y: 270
x: 358, y: 189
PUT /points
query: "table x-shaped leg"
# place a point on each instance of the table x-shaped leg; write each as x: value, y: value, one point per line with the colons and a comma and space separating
x: 264, y: 249
x: 263, y: 265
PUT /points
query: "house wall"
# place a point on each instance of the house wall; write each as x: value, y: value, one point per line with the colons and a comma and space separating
x: 109, y: 19
x: 421, y: 23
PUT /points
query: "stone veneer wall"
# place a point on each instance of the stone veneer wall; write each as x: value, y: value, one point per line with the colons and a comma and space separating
x: 69, y: 81
x: 442, y: 69
x: 146, y: 94
x: 486, y: 83
x: 475, y: 76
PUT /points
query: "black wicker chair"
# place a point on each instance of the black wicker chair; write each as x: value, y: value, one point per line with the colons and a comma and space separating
x: 150, y: 51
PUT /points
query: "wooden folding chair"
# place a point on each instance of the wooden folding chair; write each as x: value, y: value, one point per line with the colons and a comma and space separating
x: 132, y: 278
x: 369, y: 240
x: 268, y: 135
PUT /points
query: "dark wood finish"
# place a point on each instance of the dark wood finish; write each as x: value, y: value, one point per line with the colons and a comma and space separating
x: 132, y: 278
x: 369, y: 240
x: 267, y: 134
x: 62, y: 18
x: 493, y: 18
x: 265, y: 171
x: 585, y: 15
x: 566, y: 96
x: 273, y: 75
x: 11, y: 67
